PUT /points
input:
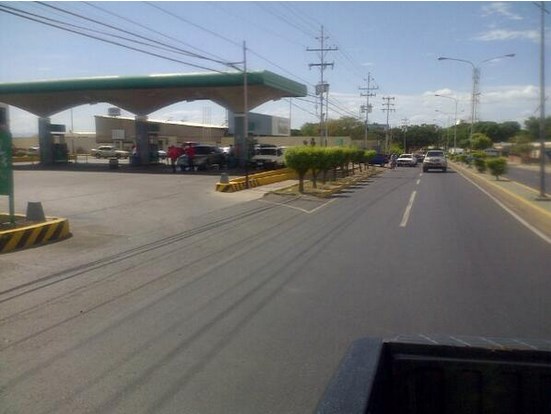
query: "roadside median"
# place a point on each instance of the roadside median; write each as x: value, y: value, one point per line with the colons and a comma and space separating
x: 256, y: 180
x: 520, y: 199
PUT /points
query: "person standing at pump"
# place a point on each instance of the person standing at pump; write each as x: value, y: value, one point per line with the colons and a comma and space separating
x: 190, y: 152
x: 173, y: 155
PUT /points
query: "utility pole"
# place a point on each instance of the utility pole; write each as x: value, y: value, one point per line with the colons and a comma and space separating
x: 367, y: 108
x: 405, y: 125
x: 322, y: 88
x: 387, y: 108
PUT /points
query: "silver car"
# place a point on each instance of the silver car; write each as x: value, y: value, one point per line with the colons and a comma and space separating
x: 435, y: 159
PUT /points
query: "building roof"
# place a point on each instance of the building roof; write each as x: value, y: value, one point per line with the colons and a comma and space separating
x: 142, y: 95
x: 161, y: 121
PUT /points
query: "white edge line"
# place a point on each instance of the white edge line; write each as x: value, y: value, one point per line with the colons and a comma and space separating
x: 511, y: 212
x: 407, y: 212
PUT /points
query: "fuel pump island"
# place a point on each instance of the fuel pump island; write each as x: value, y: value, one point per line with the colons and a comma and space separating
x: 239, y: 92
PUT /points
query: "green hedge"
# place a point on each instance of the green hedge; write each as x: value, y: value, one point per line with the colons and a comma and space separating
x: 323, y: 159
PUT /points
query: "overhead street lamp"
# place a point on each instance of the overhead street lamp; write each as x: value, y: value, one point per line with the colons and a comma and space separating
x: 454, y: 121
x: 476, y: 81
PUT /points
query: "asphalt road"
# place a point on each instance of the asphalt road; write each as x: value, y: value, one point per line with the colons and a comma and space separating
x: 530, y: 176
x: 249, y: 309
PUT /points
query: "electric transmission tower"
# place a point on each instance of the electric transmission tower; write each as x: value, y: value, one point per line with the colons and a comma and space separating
x: 322, y: 88
x: 367, y: 108
x: 387, y: 108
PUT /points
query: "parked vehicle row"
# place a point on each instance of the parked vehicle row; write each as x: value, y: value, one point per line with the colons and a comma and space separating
x: 204, y: 157
x: 433, y: 159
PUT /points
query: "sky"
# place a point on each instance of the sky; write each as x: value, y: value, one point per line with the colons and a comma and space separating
x: 396, y: 44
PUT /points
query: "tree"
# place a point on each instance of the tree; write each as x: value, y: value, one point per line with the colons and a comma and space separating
x: 346, y: 127
x: 310, y: 130
x: 420, y: 136
x: 480, y: 141
x: 480, y: 161
x: 521, y: 145
x: 326, y: 162
x: 300, y: 160
x: 532, y: 124
x: 498, y: 132
x: 497, y: 166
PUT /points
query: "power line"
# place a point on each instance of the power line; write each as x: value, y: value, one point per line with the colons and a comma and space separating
x: 153, y: 31
x: 285, y: 19
x: 188, y: 53
x: 156, y: 6
x: 27, y: 16
x: 254, y: 23
x: 299, y: 15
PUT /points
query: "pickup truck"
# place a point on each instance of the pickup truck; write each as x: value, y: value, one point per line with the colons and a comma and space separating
x: 441, y: 374
x: 109, y: 151
x: 269, y: 156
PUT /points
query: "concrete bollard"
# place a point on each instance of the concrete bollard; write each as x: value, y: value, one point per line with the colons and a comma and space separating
x: 35, y: 212
x: 224, y: 179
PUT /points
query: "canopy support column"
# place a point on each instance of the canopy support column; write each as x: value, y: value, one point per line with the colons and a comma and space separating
x: 45, y: 142
x: 142, y: 139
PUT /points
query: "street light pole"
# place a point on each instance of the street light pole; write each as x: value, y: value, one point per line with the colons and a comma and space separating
x: 454, y: 121
x: 476, y: 81
x: 447, y: 128
x: 543, y: 195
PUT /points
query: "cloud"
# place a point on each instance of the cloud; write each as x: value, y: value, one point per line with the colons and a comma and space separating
x: 500, y: 9
x: 502, y: 34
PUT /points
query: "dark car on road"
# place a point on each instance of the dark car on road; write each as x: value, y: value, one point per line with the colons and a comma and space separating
x: 379, y: 159
x: 206, y: 156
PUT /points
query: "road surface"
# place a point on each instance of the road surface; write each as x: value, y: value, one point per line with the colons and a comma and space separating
x: 530, y: 176
x: 251, y: 309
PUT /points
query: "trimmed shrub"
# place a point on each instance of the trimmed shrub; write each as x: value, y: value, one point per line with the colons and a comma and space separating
x: 300, y: 160
x: 480, y: 161
x: 497, y: 166
x: 369, y: 155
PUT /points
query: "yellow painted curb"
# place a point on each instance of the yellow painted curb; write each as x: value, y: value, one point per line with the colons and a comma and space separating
x: 53, y: 229
x: 502, y: 188
x: 255, y: 180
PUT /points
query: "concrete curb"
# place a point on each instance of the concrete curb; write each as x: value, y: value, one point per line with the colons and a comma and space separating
x: 54, y: 229
x: 518, y: 197
x: 255, y: 180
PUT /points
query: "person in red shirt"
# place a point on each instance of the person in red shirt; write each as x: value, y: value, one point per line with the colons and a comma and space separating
x: 173, y: 153
x: 190, y: 152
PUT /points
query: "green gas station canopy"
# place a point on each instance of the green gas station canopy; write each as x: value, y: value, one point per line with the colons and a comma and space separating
x: 143, y: 95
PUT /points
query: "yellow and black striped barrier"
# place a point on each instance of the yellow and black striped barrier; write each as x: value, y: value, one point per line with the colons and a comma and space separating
x: 255, y: 180
x: 53, y: 229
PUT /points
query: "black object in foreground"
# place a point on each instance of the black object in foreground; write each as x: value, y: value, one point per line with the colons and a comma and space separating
x: 441, y: 374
